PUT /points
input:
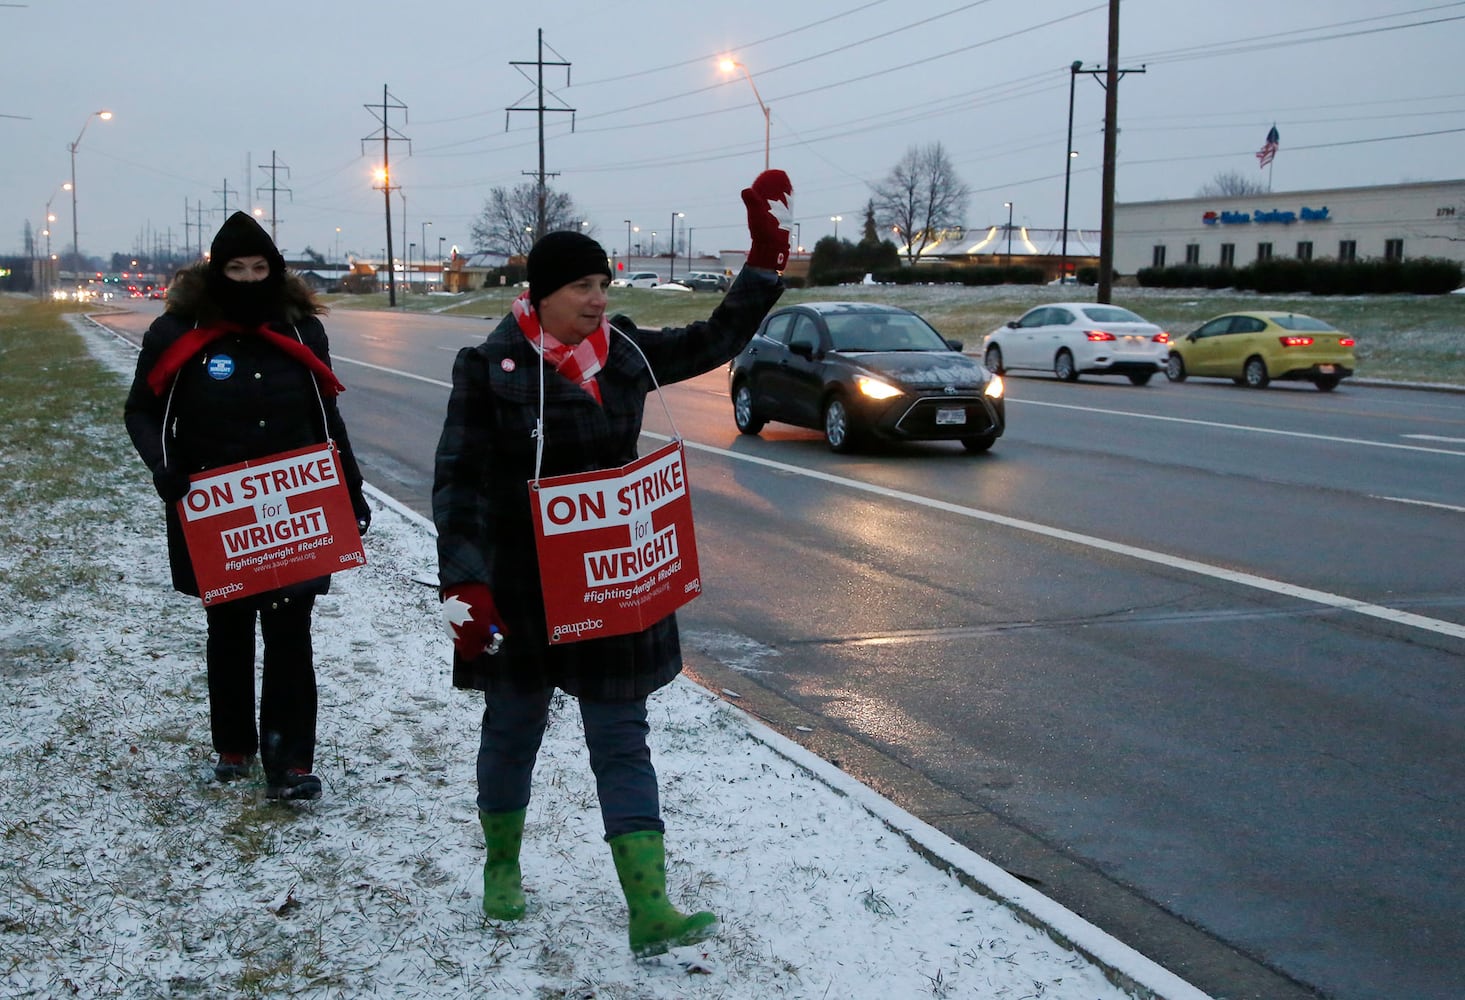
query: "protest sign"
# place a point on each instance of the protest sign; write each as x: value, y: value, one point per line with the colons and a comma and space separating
x: 268, y: 523
x: 616, y: 547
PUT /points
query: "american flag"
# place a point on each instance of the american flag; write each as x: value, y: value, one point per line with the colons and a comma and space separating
x: 1269, y: 148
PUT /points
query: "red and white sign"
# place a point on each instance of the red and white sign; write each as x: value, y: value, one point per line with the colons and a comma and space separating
x: 268, y: 523
x: 616, y: 548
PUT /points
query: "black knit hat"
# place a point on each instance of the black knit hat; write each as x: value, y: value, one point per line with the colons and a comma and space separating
x: 560, y: 258
x: 242, y: 236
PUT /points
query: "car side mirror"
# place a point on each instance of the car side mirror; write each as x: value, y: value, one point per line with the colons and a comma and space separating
x: 1012, y: 323
x: 955, y: 345
x: 802, y: 348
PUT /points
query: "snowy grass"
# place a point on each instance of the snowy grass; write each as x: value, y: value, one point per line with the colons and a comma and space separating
x: 128, y: 872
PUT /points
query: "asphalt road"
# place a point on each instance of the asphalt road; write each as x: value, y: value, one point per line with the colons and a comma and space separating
x: 1187, y: 658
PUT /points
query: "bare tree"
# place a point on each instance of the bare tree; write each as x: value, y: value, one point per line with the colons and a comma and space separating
x: 506, y: 224
x: 1230, y: 184
x: 921, y: 196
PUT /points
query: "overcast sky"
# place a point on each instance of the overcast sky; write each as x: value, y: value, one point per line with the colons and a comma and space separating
x: 204, y: 94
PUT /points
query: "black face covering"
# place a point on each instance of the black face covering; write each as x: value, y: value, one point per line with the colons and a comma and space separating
x: 246, y: 302
x: 249, y: 302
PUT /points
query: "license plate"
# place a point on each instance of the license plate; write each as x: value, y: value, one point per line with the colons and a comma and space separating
x: 945, y: 418
x: 1325, y: 369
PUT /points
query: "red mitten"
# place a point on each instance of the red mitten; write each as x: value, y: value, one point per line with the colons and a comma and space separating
x: 770, y: 204
x: 472, y: 620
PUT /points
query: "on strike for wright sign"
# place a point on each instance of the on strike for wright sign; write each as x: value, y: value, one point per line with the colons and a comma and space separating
x: 616, y: 548
x: 268, y: 523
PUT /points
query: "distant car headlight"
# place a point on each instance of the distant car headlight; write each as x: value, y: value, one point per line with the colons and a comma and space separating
x: 874, y: 388
x: 995, y: 388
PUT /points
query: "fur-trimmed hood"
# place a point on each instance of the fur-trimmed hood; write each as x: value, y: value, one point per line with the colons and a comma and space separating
x: 188, y: 295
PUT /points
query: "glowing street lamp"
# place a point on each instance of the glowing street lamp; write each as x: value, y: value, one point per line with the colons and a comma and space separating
x: 836, y: 220
x: 728, y: 64
x: 75, y: 244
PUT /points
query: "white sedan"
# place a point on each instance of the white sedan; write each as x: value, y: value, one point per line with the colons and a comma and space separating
x: 1079, y: 338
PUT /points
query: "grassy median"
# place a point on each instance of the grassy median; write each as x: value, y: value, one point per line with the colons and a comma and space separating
x: 1412, y: 338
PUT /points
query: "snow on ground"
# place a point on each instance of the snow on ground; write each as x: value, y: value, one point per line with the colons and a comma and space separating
x: 129, y: 873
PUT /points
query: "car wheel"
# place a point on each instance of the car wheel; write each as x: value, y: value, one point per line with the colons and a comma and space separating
x: 1064, y: 367
x: 1255, y: 373
x: 979, y: 445
x: 1175, y: 368
x: 1326, y: 383
x: 838, y: 430
x: 993, y: 360
x: 1140, y: 378
x: 748, y: 422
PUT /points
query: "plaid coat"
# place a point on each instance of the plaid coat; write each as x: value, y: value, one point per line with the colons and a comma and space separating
x: 485, y: 460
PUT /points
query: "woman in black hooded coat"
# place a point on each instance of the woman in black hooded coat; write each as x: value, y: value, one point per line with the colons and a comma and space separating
x: 242, y: 395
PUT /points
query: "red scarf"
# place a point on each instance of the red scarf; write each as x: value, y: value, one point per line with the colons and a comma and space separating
x: 579, y: 363
x: 176, y: 355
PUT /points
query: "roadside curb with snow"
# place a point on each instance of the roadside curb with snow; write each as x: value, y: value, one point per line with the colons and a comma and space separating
x: 129, y: 873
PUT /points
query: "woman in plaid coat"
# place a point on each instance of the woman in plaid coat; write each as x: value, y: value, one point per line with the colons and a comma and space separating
x: 594, y: 384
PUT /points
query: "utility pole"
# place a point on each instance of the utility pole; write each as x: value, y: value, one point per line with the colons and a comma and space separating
x: 225, y: 193
x: 540, y: 110
x: 1108, y: 78
x: 384, y: 174
x: 274, y: 167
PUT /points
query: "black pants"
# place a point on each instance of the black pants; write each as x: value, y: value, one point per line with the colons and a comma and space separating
x: 286, y: 735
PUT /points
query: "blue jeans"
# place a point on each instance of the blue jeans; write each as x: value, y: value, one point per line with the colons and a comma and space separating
x: 615, y: 733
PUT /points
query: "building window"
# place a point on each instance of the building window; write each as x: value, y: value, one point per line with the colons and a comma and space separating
x: 1157, y: 256
x: 1393, y: 249
x: 1304, y: 250
x: 1263, y: 251
x: 1228, y: 254
x: 1192, y: 253
x: 1347, y: 250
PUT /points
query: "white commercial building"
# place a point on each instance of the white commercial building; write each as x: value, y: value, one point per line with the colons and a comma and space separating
x: 1393, y: 222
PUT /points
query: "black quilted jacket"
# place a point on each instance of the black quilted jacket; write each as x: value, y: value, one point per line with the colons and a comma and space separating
x: 267, y: 404
x: 485, y: 460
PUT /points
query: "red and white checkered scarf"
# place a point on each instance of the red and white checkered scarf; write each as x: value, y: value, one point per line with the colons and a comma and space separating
x: 580, y: 363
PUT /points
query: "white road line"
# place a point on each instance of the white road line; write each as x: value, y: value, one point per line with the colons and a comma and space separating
x: 391, y: 371
x: 1174, y: 562
x: 1393, y: 615
x: 1244, y: 427
x: 1420, y: 503
x: 1433, y: 437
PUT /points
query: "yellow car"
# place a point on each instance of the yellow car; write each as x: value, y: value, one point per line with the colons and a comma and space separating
x: 1253, y: 348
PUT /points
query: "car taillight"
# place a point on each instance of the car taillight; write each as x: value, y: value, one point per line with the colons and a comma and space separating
x: 1161, y: 338
x: 1097, y: 335
x: 1296, y: 341
x: 1345, y: 342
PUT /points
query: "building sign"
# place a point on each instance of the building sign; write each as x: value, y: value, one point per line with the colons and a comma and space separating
x: 1261, y: 217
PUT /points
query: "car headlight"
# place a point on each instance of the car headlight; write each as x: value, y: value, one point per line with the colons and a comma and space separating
x: 995, y: 388
x: 874, y: 388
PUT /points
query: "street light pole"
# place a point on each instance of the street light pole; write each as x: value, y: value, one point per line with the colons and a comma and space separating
x: 727, y: 66
x: 1008, y: 206
x: 672, y: 273
x: 1068, y: 168
x: 75, y: 230
x: 442, y: 267
x: 424, y: 250
x: 835, y: 219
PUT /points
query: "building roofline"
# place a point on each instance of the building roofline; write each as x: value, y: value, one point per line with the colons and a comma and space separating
x: 1207, y: 199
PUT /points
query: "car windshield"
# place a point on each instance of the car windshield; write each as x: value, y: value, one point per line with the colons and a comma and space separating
x: 1112, y: 314
x: 880, y: 331
x: 1292, y: 321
